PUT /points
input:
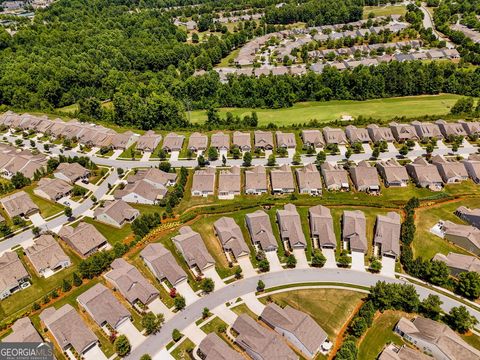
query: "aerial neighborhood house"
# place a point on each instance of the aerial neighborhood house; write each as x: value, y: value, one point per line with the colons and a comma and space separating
x: 392, y: 173
x: 285, y: 140
x: 435, y: 339
x: 124, y: 140
x: 393, y: 352
x: 334, y: 136
x: 465, y: 236
x: 297, y: 327
x: 231, y: 238
x: 282, y: 180
x: 309, y: 180
x: 259, y: 342
x: 213, y: 347
x: 472, y: 164
x: 472, y: 216
x: 313, y: 138
x: 365, y: 178
x: 386, y: 240
x: 13, y: 275
x: 141, y: 192
x: 256, y: 181
x: 23, y: 162
x: 334, y: 177
x: 242, y: 141
x: 357, y: 135
x: 354, y: 229
x: 162, y: 264
x: 193, y: 249
x: 458, y: 263
x: 173, y: 142
x: 403, y: 132
x: 84, y: 239
x: 68, y: 329
x: 229, y: 183
x: 451, y: 171
x: 103, y: 307
x: 131, y: 283
x: 449, y: 129
x: 378, y: 134
x: 197, y: 142
x: 263, y: 140
x: 470, y: 127
x: 426, y: 130
x: 116, y: 213
x: 261, y: 232
x: 53, y: 189
x: 47, y: 256
x: 158, y: 178
x: 220, y: 141
x: 23, y: 332
x: 203, y: 183
x: 424, y: 174
x: 321, y: 227
x: 71, y: 172
x: 148, y: 141
x: 19, y: 204
x: 290, y: 227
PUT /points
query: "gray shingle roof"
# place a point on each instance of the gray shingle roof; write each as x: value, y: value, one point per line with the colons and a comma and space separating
x: 193, y: 249
x: 163, y: 263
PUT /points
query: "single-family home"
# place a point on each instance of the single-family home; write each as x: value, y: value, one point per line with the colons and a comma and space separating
x: 357, y: 135
x: 23, y: 331
x: 321, y: 227
x: 13, y: 275
x: 131, y: 283
x: 261, y: 232
x: 313, y: 138
x: 124, y: 140
x: 425, y: 174
x: 71, y: 172
x: 231, y: 237
x: 290, y: 227
x: 242, y: 140
x: 297, y: 327
x: 162, y: 264
x: 193, y: 249
x: 212, y: 347
x: 285, y: 140
x: 334, y: 177
x: 68, y: 329
x: 156, y: 177
x: 148, y: 141
x: 365, y: 177
x: 392, y: 173
x: 435, y: 338
x: 259, y: 342
x: 378, y: 134
x: 309, y: 180
x: 173, y: 142
x: 472, y: 164
x: 19, y: 204
x: 403, y: 132
x: 472, y: 216
x: 53, y: 189
x: 116, y: 213
x: 103, y: 307
x: 334, y: 136
x: 465, y: 236
x: 47, y: 256
x: 470, y: 127
x: 263, y: 140
x: 220, y: 141
x: 354, y: 227
x: 256, y: 181
x: 203, y: 183
x: 197, y: 142
x: 426, y: 130
x: 458, y: 263
x: 282, y: 180
x: 229, y: 183
x: 451, y: 171
x: 141, y: 192
x: 84, y: 239
x: 449, y: 129
x: 394, y: 352
x: 386, y: 240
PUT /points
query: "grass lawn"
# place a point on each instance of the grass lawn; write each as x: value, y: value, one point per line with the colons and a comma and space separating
x: 329, y: 307
x: 379, y: 334
x: 127, y: 153
x: 182, y: 352
x: 472, y: 339
x: 226, y: 60
x: 244, y: 309
x: 111, y: 233
x: 47, y: 208
x: 385, y: 109
x: 213, y: 325
x: 384, y: 10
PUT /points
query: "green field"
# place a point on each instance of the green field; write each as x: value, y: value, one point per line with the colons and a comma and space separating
x: 384, y: 109
x: 384, y: 10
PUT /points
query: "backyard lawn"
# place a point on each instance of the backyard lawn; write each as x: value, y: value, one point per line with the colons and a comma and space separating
x: 111, y: 233
x: 47, y: 208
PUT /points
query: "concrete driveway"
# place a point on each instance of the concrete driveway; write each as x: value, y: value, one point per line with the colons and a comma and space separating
x: 274, y: 261
x: 388, y: 266
x: 212, y: 274
x: 253, y: 303
x: 116, y: 154
x: 391, y: 147
x: 146, y: 156
x: 93, y: 151
x: 158, y: 307
x: 131, y: 332
x: 291, y: 152
x: 367, y: 148
x: 301, y: 257
x: 174, y: 155
x: 89, y: 186
x: 94, y: 354
x: 358, y: 261
x: 36, y: 219
x: 66, y: 201
x: 187, y: 292
x: 225, y: 314
x: 194, y: 334
x: 441, y: 145
x: 330, y: 256
x: 342, y: 149
x: 247, y: 267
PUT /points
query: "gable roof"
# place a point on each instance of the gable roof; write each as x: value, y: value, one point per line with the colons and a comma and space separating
x: 197, y: 141
x: 308, y: 177
x: 285, y: 139
x: 173, y: 142
x: 220, y: 140
x: 204, y: 180
x: 387, y: 233
x: 256, y: 178
x: 291, y: 226
x: 229, y: 180
x: 392, y: 171
x: 23, y: 331
x: 194, y: 251
x: 334, y: 136
x: 467, y: 231
x: 72, y: 171
x: 364, y: 175
x: 148, y: 141
x: 354, y: 229
x: 45, y: 253
x: 163, y: 263
x: 142, y: 188
x: 18, y: 203
x: 231, y: 236
x: 378, y: 133
x: 282, y: 178
x: 11, y: 270
x: 423, y: 172
x: 334, y: 175
x: 84, y: 238
x: 242, y: 139
x: 403, y: 131
x: 313, y: 137
x: 214, y: 348
x: 263, y: 138
x: 321, y: 225
x: 54, y: 188
x: 260, y: 229
x: 117, y: 210
x: 153, y: 175
x: 459, y: 261
x: 355, y: 134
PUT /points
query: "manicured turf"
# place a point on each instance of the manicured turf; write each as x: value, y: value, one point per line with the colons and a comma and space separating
x: 328, y: 111
x: 472, y: 339
x: 47, y: 208
x: 244, y: 309
x: 378, y: 335
x: 329, y: 307
x: 111, y: 233
x: 183, y: 350
x: 213, y: 325
x: 384, y: 10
